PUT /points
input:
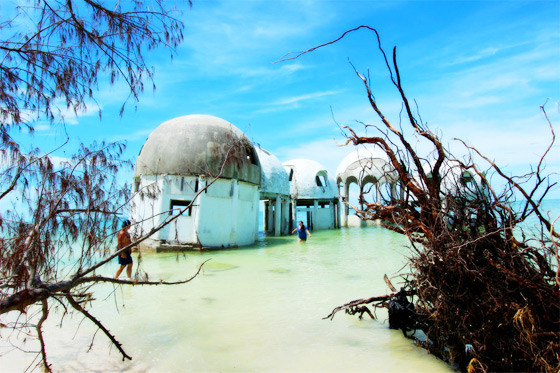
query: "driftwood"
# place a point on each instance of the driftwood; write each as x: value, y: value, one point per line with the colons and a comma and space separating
x: 401, y: 310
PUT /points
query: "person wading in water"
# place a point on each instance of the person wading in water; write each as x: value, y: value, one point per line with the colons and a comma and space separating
x: 302, y: 231
x: 125, y: 258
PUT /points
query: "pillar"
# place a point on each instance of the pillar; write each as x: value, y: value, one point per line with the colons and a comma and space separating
x: 265, y: 216
x: 285, y: 216
x: 270, y: 220
x: 277, y: 216
x: 293, y: 222
x: 336, y: 207
x: 315, y: 216
x: 344, y: 209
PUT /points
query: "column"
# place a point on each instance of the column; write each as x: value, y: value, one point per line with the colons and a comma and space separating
x: 265, y: 216
x: 270, y: 222
x: 277, y: 216
x: 344, y: 209
x: 315, y: 217
x: 293, y: 222
x: 285, y: 216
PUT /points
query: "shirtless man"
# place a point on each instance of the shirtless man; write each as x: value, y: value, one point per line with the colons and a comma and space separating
x: 125, y: 258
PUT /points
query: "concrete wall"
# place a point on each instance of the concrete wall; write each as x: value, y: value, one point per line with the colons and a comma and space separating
x: 355, y: 221
x: 228, y: 214
x: 225, y: 215
x: 321, y: 217
x: 325, y: 218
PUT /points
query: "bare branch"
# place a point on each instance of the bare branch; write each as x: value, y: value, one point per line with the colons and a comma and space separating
x: 99, y: 325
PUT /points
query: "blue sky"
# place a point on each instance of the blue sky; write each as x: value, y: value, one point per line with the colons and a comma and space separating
x: 478, y: 70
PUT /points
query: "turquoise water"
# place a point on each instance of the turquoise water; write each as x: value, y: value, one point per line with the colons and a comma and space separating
x: 251, y: 309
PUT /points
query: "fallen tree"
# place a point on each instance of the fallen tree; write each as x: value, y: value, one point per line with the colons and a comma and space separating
x: 485, y: 290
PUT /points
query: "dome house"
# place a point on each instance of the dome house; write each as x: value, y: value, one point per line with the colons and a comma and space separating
x: 179, y: 159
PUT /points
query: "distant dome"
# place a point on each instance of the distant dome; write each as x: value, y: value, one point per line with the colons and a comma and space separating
x: 309, y: 180
x: 274, y: 177
x: 366, y: 165
x: 198, y: 145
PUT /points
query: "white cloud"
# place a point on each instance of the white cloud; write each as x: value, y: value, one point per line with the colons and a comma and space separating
x: 298, y: 99
x: 479, y: 55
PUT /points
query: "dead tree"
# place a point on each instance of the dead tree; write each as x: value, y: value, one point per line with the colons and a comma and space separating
x: 73, y: 211
x: 52, y: 54
x: 487, y: 292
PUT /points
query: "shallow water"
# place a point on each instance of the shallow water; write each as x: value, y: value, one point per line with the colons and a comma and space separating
x: 251, y: 309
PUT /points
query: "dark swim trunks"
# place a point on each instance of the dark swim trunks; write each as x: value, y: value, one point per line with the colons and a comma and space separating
x: 126, y: 260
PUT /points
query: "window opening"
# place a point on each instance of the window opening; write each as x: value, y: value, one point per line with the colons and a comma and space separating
x: 176, y: 206
x: 321, y: 180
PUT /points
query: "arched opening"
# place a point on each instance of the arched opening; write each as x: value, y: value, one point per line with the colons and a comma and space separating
x: 353, y: 195
x: 321, y: 179
x: 369, y: 192
x: 467, y: 179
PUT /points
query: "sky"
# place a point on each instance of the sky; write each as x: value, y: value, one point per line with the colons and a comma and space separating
x: 477, y: 70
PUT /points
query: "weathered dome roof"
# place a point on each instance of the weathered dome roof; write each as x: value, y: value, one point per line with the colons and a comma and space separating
x: 309, y: 180
x: 366, y: 165
x: 199, y: 145
x: 454, y: 177
x: 274, y: 178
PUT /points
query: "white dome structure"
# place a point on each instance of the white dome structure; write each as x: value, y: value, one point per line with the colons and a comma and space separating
x: 179, y: 159
x: 314, y: 195
x: 275, y: 194
x: 455, y: 178
x: 309, y: 180
x: 274, y: 177
x: 198, y: 145
x: 365, y: 166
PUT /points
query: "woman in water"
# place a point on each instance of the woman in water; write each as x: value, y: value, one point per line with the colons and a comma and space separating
x: 302, y: 232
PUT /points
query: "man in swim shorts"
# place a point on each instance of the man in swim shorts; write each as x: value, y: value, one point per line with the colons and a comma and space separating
x: 125, y: 258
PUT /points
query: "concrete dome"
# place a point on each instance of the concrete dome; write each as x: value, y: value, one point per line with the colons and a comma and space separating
x: 454, y: 177
x: 274, y: 178
x: 367, y: 165
x: 198, y: 145
x: 309, y: 180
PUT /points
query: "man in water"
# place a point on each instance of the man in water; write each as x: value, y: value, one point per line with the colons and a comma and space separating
x: 302, y: 232
x: 125, y: 258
